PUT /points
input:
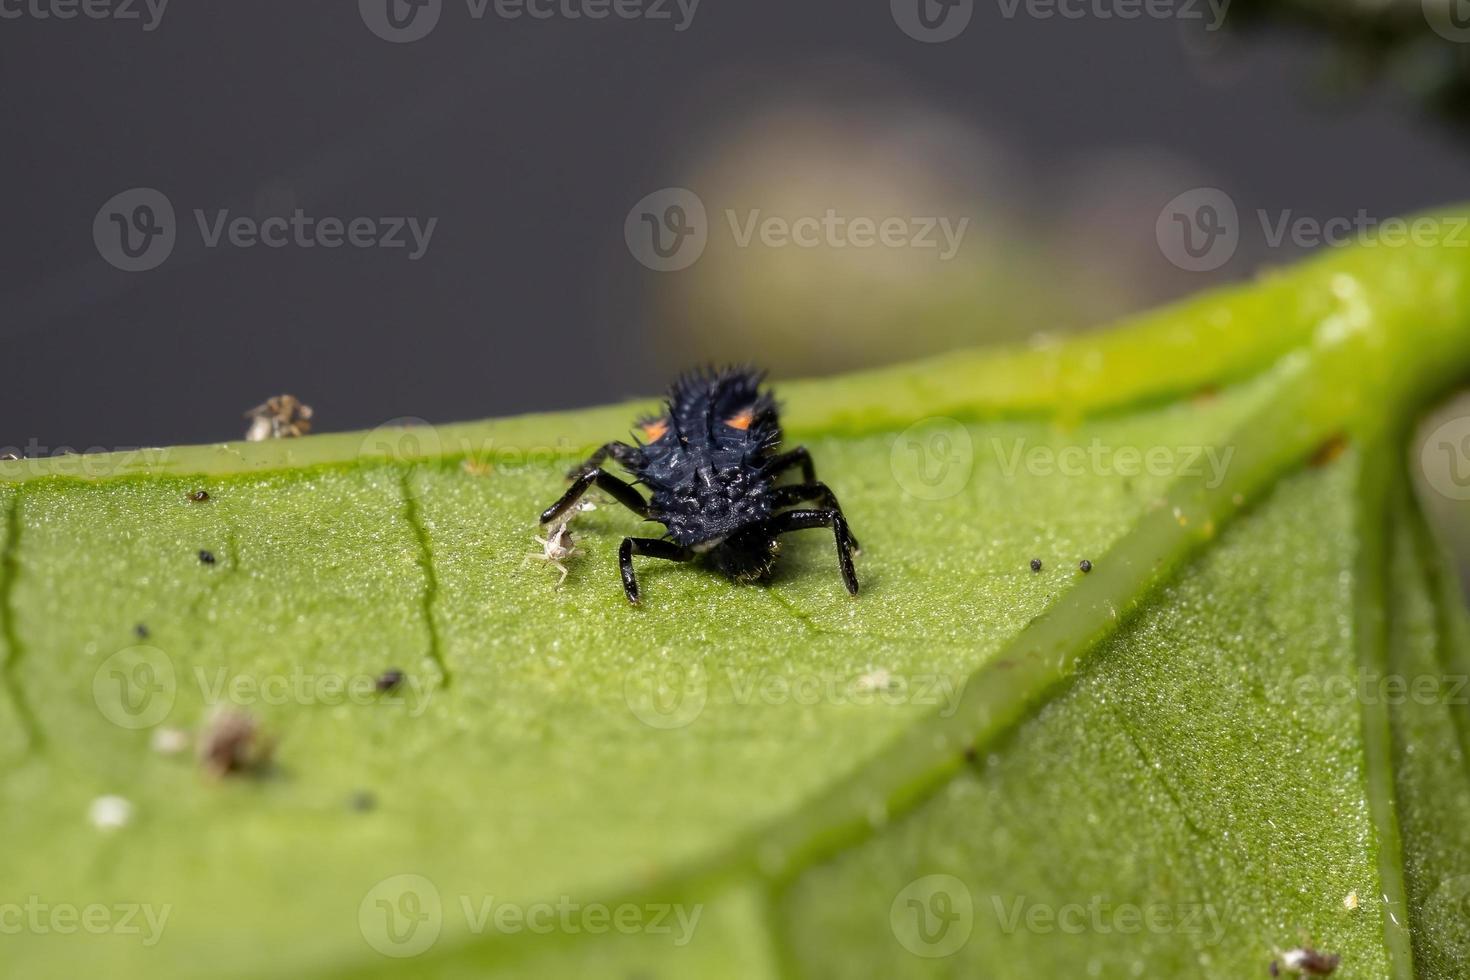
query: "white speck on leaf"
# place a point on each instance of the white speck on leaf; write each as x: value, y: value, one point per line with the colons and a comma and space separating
x: 110, y: 812
x: 170, y: 741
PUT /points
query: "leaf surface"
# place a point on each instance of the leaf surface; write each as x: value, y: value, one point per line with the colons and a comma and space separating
x: 783, y: 762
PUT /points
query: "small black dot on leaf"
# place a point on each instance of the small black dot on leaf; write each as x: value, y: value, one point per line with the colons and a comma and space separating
x: 207, y: 557
x: 1036, y: 564
x: 199, y: 496
x: 1085, y: 565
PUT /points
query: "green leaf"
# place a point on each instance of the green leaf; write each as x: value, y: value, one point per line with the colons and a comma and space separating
x: 1148, y: 769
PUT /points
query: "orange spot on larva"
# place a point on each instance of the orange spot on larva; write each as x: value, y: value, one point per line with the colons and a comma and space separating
x: 740, y: 420
x: 654, y: 431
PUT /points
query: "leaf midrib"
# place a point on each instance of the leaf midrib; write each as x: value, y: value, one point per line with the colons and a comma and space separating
x: 1019, y: 678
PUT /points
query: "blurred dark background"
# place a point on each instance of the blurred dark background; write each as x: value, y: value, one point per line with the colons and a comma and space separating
x: 528, y: 141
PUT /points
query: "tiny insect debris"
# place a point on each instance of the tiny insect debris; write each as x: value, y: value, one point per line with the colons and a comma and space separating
x: 556, y: 546
x: 199, y: 496
x: 231, y: 743
x: 207, y: 557
x: 1350, y: 901
x: 141, y: 631
x: 388, y: 680
x: 362, y: 801
x: 110, y: 812
x: 281, y: 417
x: 1305, y: 961
x: 711, y: 460
x: 1085, y: 566
x: 1036, y: 564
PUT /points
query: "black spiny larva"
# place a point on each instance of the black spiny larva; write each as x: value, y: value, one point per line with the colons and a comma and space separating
x: 711, y: 462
